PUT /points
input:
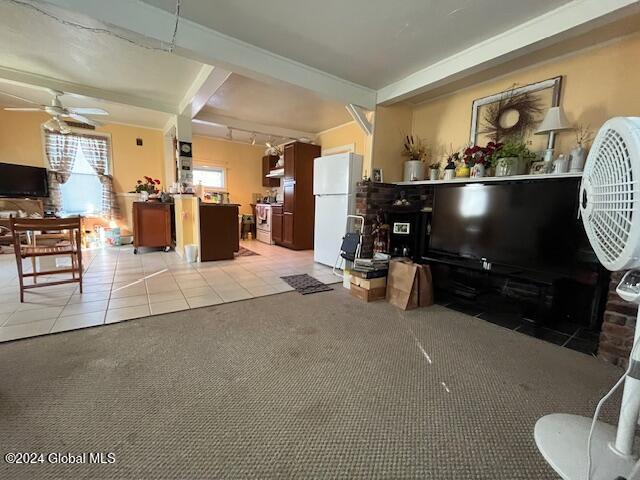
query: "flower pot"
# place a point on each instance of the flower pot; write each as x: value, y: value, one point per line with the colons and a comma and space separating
x: 577, y: 158
x: 449, y: 173
x: 478, y: 170
x: 463, y: 171
x: 507, y: 166
x: 413, y: 170
x: 143, y: 196
x: 434, y: 173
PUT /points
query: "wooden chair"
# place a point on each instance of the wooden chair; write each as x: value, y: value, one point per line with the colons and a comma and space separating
x: 68, y: 242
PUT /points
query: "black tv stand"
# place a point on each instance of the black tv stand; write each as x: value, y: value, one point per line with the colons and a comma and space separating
x: 473, y: 278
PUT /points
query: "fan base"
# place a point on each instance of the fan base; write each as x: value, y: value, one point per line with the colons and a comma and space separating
x: 562, y: 440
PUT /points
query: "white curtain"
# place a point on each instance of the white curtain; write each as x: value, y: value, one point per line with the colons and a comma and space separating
x: 61, y: 153
x: 96, y: 152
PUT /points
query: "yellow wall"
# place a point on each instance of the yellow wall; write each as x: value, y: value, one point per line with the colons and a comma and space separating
x: 21, y: 143
x: 391, y: 123
x: 599, y: 83
x: 347, y: 134
x: 131, y: 162
x: 242, y: 161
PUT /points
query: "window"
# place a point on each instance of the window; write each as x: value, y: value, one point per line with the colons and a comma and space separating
x: 83, y: 181
x: 211, y: 177
x: 82, y: 193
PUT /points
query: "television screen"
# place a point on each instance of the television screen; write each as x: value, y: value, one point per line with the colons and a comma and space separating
x: 529, y: 224
x: 23, y: 181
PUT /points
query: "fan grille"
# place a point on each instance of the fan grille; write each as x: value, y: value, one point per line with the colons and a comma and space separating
x: 608, y: 203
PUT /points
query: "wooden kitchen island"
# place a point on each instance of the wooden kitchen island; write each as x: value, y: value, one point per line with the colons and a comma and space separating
x: 219, y: 235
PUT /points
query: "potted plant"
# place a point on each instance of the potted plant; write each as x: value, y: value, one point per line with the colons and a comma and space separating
x: 578, y: 155
x: 147, y: 188
x: 450, y: 168
x: 434, y: 171
x: 416, y: 151
x: 511, y: 158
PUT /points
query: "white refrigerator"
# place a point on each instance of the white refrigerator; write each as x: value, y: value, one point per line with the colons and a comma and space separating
x: 334, y: 186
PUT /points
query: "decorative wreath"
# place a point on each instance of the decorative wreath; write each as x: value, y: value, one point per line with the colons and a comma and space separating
x: 527, y: 107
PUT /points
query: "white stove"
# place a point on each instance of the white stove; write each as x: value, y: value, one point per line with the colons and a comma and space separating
x: 263, y: 223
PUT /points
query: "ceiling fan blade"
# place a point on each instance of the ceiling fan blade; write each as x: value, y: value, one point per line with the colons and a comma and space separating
x: 83, y: 119
x: 19, y: 98
x: 14, y: 109
x: 88, y: 111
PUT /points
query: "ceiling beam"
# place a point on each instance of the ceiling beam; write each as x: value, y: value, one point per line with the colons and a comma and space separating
x: 574, y: 18
x: 204, y: 86
x: 208, y: 118
x: 41, y: 81
x: 209, y: 46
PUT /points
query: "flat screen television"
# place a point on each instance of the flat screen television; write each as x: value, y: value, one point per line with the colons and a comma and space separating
x: 531, y: 224
x: 23, y: 181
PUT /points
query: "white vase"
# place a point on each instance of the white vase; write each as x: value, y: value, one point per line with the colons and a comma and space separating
x: 449, y: 173
x: 144, y: 196
x: 577, y: 158
x: 477, y: 171
x: 413, y: 170
x: 434, y: 173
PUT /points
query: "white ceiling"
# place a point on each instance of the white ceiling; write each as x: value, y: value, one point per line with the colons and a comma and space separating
x: 277, y: 104
x: 220, y: 131
x: 369, y: 42
x: 118, y: 113
x: 35, y: 43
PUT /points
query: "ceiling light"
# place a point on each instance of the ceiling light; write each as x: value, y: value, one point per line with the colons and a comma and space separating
x: 268, y: 144
x: 253, y: 138
x: 50, y: 125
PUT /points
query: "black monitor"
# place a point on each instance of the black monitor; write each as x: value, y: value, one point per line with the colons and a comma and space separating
x: 23, y: 181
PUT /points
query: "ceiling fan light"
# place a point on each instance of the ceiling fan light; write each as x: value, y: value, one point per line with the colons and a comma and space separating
x: 50, y: 125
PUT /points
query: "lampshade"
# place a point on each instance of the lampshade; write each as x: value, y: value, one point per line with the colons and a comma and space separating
x: 554, y: 120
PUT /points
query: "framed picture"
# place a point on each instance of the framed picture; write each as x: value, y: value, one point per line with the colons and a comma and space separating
x: 376, y: 175
x: 539, y: 168
x: 516, y: 111
x: 401, y: 228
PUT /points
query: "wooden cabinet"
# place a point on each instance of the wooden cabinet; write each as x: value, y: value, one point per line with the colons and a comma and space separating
x: 276, y: 223
x: 268, y: 164
x: 152, y: 225
x: 289, y: 162
x: 219, y: 237
x: 288, y: 236
x: 299, y: 203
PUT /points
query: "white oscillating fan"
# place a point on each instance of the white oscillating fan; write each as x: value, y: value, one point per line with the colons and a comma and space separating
x: 579, y: 448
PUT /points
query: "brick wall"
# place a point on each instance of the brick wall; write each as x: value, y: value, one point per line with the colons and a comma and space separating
x: 370, y: 197
x: 618, y: 326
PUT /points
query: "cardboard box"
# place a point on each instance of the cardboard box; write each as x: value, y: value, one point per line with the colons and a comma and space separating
x: 368, y: 295
x: 369, y: 284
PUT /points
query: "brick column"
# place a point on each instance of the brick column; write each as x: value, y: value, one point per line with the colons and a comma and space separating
x: 618, y: 326
x: 370, y: 197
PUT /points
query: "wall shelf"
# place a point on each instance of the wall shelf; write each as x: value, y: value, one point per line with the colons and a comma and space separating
x: 512, y: 178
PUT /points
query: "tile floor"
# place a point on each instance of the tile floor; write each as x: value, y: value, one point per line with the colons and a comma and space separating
x: 564, y: 334
x: 119, y: 285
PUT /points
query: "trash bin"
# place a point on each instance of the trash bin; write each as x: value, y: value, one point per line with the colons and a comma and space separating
x: 191, y: 252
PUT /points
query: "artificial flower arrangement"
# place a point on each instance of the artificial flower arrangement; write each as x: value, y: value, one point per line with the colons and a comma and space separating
x: 477, y: 155
x: 414, y: 148
x: 149, y: 185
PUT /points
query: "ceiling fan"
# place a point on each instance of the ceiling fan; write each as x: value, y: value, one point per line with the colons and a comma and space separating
x: 57, y: 110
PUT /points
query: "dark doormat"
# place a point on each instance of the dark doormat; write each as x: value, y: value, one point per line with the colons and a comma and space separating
x: 245, y: 252
x: 306, y: 284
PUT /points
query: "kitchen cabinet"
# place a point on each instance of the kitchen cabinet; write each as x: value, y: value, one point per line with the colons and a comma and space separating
x: 152, y: 225
x: 268, y: 164
x: 299, y: 202
x: 276, y: 223
x: 287, y: 228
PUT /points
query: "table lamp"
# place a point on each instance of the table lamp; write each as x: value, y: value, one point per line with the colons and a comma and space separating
x: 555, y: 120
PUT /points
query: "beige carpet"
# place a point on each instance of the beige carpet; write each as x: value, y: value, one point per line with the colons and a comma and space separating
x: 291, y: 386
